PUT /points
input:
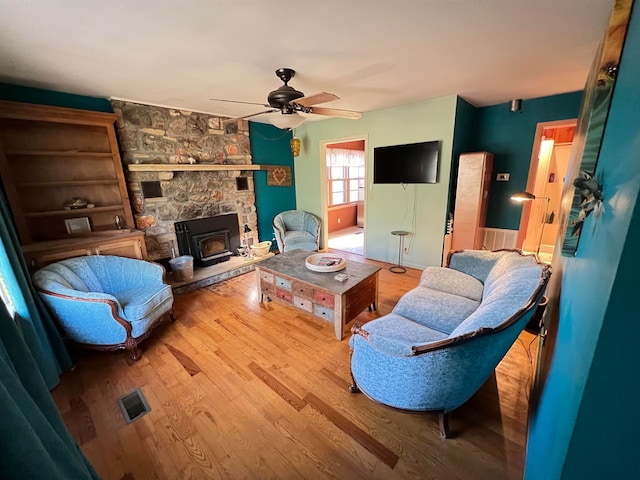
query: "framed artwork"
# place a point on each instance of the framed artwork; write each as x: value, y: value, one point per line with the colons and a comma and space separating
x: 585, y: 184
x: 78, y: 225
x: 278, y: 176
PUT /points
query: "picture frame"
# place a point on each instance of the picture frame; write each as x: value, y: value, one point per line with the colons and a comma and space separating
x: 584, y: 190
x: 78, y: 225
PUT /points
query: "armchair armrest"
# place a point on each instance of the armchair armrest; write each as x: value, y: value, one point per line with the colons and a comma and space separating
x: 381, y: 343
x: 75, y: 310
x: 278, y: 223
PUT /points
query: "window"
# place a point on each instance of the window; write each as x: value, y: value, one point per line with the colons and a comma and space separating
x: 345, y: 176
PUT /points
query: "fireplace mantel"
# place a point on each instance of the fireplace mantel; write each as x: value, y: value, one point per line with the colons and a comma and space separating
x: 195, y: 167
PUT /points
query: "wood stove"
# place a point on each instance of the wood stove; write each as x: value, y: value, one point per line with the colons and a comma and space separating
x: 209, y: 240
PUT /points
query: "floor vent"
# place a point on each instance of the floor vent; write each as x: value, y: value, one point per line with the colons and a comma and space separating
x: 133, y: 405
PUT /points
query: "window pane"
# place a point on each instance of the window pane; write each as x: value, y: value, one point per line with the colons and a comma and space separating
x: 338, y: 198
x: 337, y: 186
x: 354, y: 184
x: 337, y: 172
x: 354, y: 172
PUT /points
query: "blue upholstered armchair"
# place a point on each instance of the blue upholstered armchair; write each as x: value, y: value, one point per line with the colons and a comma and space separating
x: 296, y: 229
x: 445, y: 337
x: 106, y: 302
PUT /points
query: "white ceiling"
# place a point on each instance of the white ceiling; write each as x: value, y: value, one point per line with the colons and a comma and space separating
x: 373, y: 54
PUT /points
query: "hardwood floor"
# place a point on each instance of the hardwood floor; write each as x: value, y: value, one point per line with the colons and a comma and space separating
x: 243, y: 390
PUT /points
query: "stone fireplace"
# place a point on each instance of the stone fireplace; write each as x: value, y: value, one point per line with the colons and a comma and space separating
x: 162, y: 200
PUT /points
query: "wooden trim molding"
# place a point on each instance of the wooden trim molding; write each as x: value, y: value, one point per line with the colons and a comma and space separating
x: 203, y: 167
x: 49, y: 113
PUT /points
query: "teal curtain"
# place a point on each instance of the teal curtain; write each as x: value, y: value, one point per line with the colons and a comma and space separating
x: 33, y: 321
x: 34, y: 440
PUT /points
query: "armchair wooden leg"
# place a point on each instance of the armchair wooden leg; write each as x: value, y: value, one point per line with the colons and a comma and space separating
x: 444, y: 424
x: 353, y: 388
x: 132, y: 347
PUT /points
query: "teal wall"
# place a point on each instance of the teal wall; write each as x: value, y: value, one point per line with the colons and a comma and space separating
x: 420, y: 209
x: 585, y: 424
x: 270, y: 146
x: 509, y: 136
x: 17, y: 93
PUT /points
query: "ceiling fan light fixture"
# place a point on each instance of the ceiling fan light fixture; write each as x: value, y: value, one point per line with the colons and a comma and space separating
x: 287, y: 120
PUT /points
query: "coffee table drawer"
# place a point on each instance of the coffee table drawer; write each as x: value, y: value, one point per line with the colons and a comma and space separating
x: 301, y: 289
x: 303, y: 303
x: 268, y: 289
x: 323, y: 312
x: 266, y: 277
x: 284, y: 295
x: 283, y: 283
x: 323, y: 298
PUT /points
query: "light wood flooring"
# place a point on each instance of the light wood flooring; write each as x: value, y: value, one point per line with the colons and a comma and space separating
x: 243, y: 390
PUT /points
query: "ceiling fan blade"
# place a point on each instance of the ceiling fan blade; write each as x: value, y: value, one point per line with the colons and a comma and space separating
x: 334, y: 112
x: 228, y: 120
x: 322, y: 97
x: 238, y: 101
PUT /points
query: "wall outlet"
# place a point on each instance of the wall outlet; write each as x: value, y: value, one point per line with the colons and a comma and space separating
x: 339, y: 219
x: 503, y: 177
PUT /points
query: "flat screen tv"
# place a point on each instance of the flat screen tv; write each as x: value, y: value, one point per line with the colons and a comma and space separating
x: 411, y: 163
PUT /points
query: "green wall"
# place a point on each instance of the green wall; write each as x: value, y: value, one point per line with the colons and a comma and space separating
x: 270, y: 146
x: 388, y: 207
x: 509, y: 136
x: 585, y: 423
x: 17, y: 93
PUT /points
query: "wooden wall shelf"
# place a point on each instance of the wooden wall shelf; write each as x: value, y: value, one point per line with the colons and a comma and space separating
x: 50, y: 155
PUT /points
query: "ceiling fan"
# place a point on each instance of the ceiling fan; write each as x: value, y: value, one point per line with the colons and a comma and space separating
x: 289, y: 101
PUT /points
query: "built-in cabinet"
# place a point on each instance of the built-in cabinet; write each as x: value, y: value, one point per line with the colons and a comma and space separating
x: 124, y: 243
x: 50, y: 156
x: 472, y: 195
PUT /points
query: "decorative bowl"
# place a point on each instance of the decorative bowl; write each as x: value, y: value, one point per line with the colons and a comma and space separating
x: 261, y: 249
x: 325, y: 262
x: 74, y: 203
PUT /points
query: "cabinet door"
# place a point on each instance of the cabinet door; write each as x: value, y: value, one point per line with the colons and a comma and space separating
x: 125, y: 248
x: 41, y: 259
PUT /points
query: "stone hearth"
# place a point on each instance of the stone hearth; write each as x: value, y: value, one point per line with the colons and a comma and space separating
x: 205, y: 276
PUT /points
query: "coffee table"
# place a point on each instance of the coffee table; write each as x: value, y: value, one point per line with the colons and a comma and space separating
x: 286, y: 278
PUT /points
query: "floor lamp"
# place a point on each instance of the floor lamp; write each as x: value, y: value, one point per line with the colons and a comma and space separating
x: 521, y: 197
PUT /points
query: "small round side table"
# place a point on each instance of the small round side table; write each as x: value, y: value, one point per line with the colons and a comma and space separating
x: 399, y: 268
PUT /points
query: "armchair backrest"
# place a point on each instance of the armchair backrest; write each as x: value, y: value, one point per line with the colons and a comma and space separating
x: 297, y: 220
x: 97, y: 274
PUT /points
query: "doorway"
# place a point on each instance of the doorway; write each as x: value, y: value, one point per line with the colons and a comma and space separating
x: 540, y: 219
x: 345, y: 194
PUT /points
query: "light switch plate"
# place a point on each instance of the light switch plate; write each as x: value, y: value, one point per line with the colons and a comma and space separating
x: 502, y: 177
